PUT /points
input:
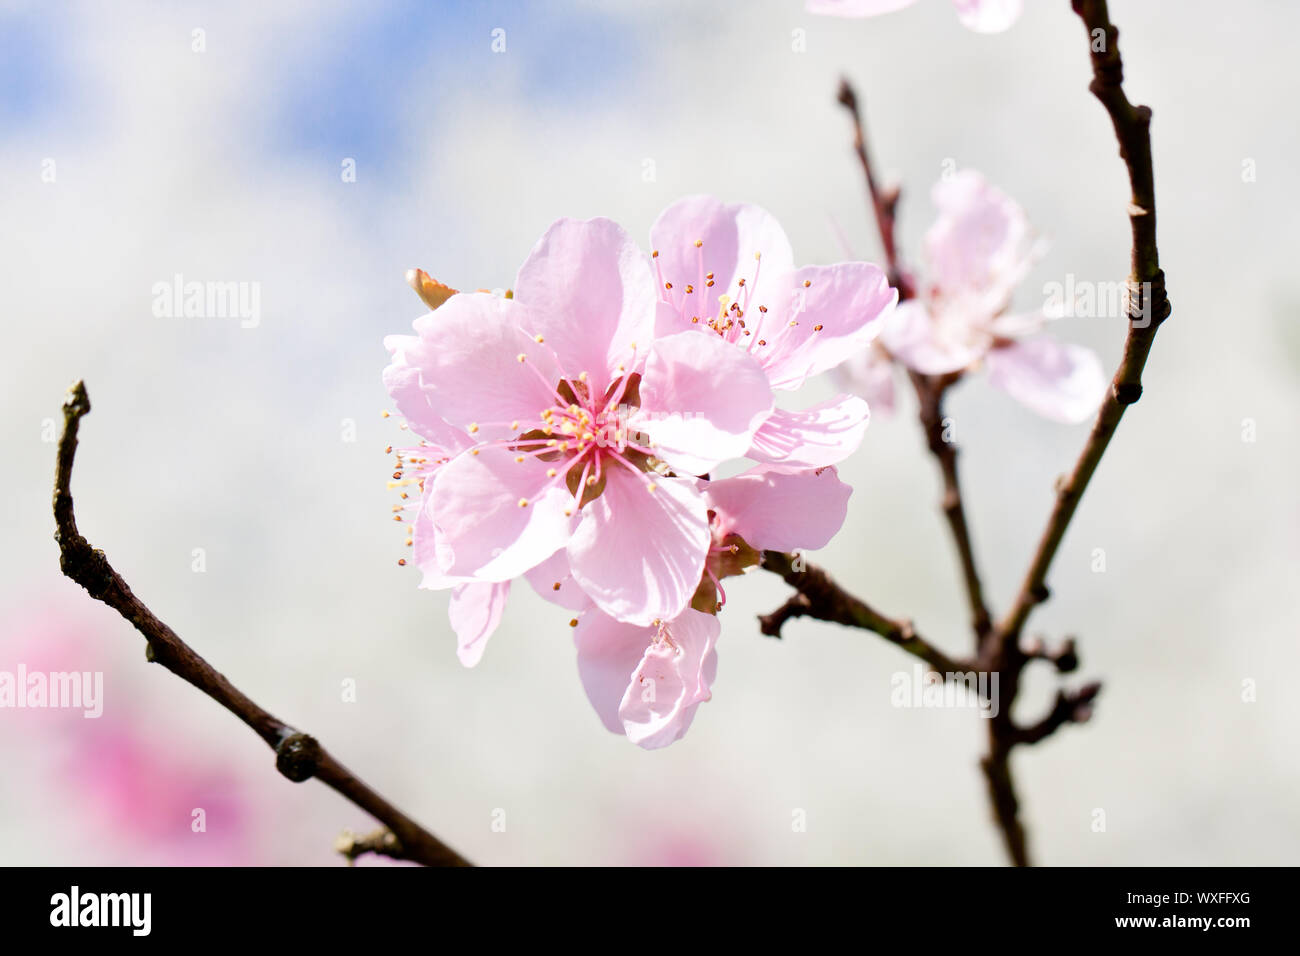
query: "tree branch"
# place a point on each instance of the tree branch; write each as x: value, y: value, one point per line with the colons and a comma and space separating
x: 298, y: 756
x: 884, y: 204
x: 930, y: 389
x: 1148, y: 304
x: 820, y: 597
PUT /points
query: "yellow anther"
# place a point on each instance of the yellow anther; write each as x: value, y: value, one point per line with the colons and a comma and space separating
x: 523, y: 502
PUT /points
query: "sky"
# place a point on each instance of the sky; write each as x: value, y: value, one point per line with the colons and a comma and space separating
x: 134, y: 149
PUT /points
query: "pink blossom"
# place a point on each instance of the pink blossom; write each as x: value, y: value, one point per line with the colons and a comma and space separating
x: 126, y: 784
x: 982, y: 16
x: 648, y: 681
x: 728, y: 270
x: 977, y: 251
x: 557, y: 420
x: 563, y: 430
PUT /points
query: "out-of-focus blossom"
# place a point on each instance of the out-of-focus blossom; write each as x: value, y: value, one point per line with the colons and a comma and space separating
x: 728, y: 271
x: 978, y: 250
x: 125, y: 782
x: 982, y: 16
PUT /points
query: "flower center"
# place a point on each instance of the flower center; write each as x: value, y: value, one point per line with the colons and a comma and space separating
x: 695, y: 301
x: 582, y: 435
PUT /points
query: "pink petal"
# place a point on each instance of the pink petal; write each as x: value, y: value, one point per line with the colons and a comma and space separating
x: 402, y: 380
x: 915, y: 338
x: 671, y: 681
x: 467, y: 353
x: 702, y: 400
x: 780, y: 510
x: 590, y: 294
x: 555, y: 571
x: 822, y: 435
x: 609, y: 651
x: 1065, y: 383
x: 425, y: 547
x: 1014, y: 325
x: 637, y: 553
x: 836, y: 310
x: 481, y: 529
x: 981, y: 245
x: 988, y: 16
x: 475, y: 611
x: 869, y: 373
x: 856, y: 8
x: 730, y: 235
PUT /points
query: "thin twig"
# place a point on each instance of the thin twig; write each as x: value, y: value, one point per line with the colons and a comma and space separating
x: 930, y: 389
x: 930, y: 392
x: 1148, y: 304
x: 821, y: 598
x: 884, y: 203
x: 298, y: 756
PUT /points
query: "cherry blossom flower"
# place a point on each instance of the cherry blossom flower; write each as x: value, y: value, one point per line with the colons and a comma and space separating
x: 977, y: 251
x: 728, y: 270
x: 648, y: 681
x: 982, y: 16
x: 563, y: 429
x: 557, y: 419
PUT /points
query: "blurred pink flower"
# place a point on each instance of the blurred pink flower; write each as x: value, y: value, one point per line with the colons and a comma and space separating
x: 729, y: 270
x: 982, y: 16
x: 130, y: 784
x: 978, y: 250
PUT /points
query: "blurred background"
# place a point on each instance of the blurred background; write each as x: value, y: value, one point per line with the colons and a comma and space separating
x: 235, y: 472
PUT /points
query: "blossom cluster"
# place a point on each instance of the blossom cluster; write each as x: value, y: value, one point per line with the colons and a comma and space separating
x: 571, y: 432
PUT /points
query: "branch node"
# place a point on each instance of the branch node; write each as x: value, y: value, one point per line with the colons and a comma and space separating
x: 297, y: 757
x: 1127, y: 393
